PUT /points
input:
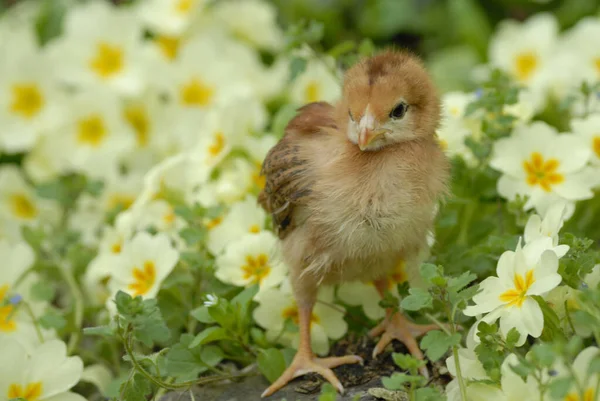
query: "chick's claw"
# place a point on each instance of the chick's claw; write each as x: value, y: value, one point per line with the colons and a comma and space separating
x: 305, y: 363
x: 397, y: 327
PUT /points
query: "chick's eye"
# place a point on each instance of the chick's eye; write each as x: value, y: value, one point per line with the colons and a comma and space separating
x: 399, y: 111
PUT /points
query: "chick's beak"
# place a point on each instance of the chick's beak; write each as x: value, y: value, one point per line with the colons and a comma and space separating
x: 366, y: 136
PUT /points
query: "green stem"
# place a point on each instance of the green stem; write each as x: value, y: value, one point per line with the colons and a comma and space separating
x: 29, y: 311
x: 441, y: 325
x: 466, y: 221
x: 461, y: 382
x: 78, y: 301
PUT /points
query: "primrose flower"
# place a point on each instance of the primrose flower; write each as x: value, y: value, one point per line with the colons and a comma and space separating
x: 548, y: 227
x: 588, y: 129
x: 15, y: 322
x: 513, y: 386
x: 251, y: 260
x: 547, y: 167
x: 316, y: 83
x: 583, y: 54
x: 145, y: 262
x: 584, y: 376
x: 365, y: 294
x: 46, y: 374
x: 278, y: 306
x: 243, y: 217
x: 101, y: 46
x: 525, y: 51
x: 170, y: 17
x: 530, y: 270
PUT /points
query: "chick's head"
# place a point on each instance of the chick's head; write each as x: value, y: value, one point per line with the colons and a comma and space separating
x: 388, y: 99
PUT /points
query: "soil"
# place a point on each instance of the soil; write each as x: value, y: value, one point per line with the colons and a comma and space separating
x: 362, y: 383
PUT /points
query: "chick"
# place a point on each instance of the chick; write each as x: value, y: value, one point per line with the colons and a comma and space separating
x: 352, y: 190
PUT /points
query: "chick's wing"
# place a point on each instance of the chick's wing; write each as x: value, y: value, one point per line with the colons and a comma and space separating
x: 287, y: 168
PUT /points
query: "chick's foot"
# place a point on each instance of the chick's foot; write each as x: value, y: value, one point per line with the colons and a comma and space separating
x: 306, y: 362
x: 398, y: 327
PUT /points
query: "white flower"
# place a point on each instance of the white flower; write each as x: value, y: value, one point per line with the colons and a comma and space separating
x: 96, y: 135
x: 471, y: 370
x: 514, y: 388
x: 203, y: 77
x: 455, y: 125
x: 251, y: 259
x: 525, y: 51
x: 366, y: 295
x: 538, y: 162
x: 15, y: 322
x: 253, y: 21
x: 235, y: 181
x: 171, y: 17
x: 101, y: 45
x: 19, y: 204
x: 588, y: 129
x: 278, y: 305
x: 316, y: 83
x: 549, y: 227
x: 243, y: 217
x: 45, y: 161
x: 46, y: 374
x: 31, y: 103
x: 581, y: 53
x: 530, y: 270
x: 586, y: 379
x: 145, y: 262
x: 593, y: 278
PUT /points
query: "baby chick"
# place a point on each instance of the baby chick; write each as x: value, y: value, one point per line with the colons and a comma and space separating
x: 352, y: 189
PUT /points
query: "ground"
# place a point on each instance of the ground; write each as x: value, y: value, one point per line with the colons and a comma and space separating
x: 362, y: 383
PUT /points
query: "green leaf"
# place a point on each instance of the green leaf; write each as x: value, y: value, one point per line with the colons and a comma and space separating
x: 398, y: 381
x: 184, y: 363
x: 209, y: 335
x: 429, y: 394
x: 136, y: 389
x: 202, y: 315
x: 43, y: 291
x: 552, y: 324
x: 102, y: 331
x: 559, y: 388
x: 145, y: 318
x: 212, y: 355
x: 407, y: 362
x: 297, y: 67
x: 271, y: 363
x: 456, y: 284
x: 52, y: 319
x: 436, y: 343
x: 328, y: 393
x: 417, y: 300
x: 193, y: 235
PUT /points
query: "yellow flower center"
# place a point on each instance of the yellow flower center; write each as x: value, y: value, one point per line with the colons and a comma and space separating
x: 525, y: 65
x: 196, y: 93
x: 184, y: 6
x: 27, y: 100
x: 443, y: 144
x: 588, y: 395
x: 169, y: 218
x: 516, y: 296
x: 116, y: 247
x: 22, y: 206
x: 596, y: 145
x: 143, y: 279
x: 121, y: 201
x: 6, y: 323
x: 31, y: 392
x: 256, y: 268
x: 291, y: 312
x: 258, y: 179
x: 542, y: 172
x: 312, y: 92
x: 398, y: 275
x: 91, y: 131
x: 254, y: 229
x: 108, y: 60
x: 218, y: 145
x: 169, y: 45
x: 597, y: 64
x: 213, y: 222
x: 137, y: 117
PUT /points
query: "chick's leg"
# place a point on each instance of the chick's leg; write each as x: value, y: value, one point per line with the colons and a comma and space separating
x: 396, y: 326
x: 306, y: 362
